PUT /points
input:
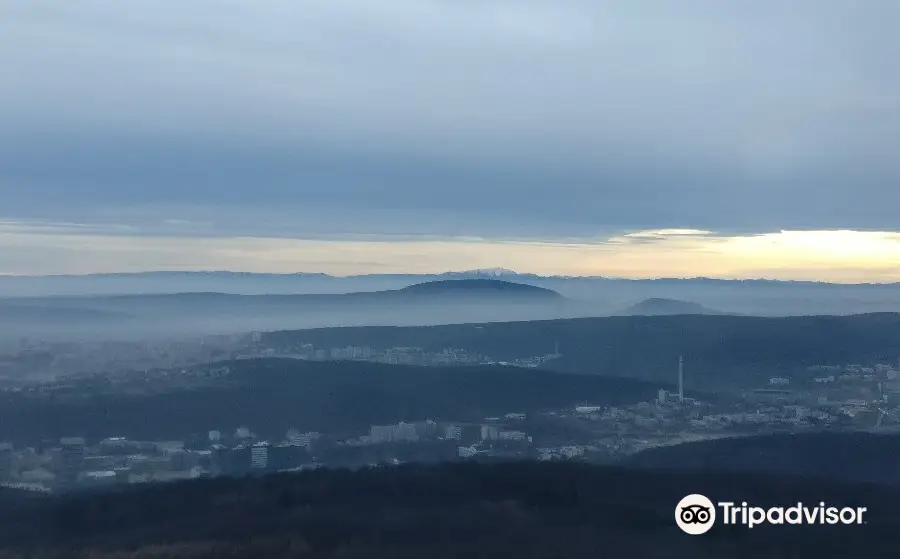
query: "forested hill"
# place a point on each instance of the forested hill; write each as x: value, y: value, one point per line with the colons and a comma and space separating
x: 861, y: 457
x: 715, y: 348
x: 274, y: 395
x: 476, y: 287
x: 656, y: 307
x: 523, y: 510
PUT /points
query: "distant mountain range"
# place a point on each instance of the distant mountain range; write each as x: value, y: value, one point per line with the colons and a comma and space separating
x: 481, y: 273
x: 656, y: 306
x: 485, y: 273
x: 149, y: 314
x: 436, y: 292
x: 179, y: 303
x: 603, y: 295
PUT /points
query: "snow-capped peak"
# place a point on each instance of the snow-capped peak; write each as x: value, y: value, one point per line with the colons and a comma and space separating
x: 483, y: 272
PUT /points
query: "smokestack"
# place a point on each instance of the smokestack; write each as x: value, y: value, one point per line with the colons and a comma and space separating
x: 680, y: 378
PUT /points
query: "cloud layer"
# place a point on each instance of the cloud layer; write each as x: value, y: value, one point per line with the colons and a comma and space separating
x: 492, y: 119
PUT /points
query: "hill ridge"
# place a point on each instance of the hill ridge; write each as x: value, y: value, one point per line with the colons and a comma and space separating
x: 659, y: 306
x: 494, y: 286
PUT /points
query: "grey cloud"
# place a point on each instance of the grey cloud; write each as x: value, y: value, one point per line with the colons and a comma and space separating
x: 481, y: 118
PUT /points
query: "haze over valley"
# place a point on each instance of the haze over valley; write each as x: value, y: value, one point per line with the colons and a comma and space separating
x: 344, y: 279
x: 156, y: 305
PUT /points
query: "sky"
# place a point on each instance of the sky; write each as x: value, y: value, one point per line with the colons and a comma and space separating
x: 578, y: 137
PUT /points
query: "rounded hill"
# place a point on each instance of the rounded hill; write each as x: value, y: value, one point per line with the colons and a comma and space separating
x: 480, y: 287
x: 656, y: 306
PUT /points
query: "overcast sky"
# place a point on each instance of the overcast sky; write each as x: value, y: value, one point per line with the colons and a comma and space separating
x: 450, y: 134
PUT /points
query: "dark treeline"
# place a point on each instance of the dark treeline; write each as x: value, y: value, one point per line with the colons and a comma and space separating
x: 862, y: 457
x: 272, y: 395
x: 526, y: 510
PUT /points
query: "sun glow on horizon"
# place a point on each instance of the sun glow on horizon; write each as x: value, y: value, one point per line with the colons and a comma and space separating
x: 844, y: 256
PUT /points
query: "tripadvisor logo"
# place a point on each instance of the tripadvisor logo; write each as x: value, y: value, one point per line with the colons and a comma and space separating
x: 696, y: 514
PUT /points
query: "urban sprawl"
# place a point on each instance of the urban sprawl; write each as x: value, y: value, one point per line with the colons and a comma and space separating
x: 828, y: 397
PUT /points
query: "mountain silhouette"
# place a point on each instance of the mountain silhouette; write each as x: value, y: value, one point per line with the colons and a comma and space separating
x: 656, y: 306
x: 480, y: 287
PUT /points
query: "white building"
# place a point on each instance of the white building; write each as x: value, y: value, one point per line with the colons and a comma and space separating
x: 453, y: 432
x: 105, y: 477
x: 302, y: 439
x: 489, y: 433
x: 587, y: 410
x: 381, y: 434
x: 259, y: 456
x: 797, y: 412
x: 571, y: 451
x: 406, y: 432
